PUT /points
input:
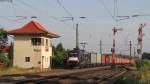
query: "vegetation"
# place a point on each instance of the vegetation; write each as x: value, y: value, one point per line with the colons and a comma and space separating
x: 3, y: 42
x: 146, y: 56
x: 4, y: 59
x: 17, y: 70
x: 10, y: 54
x: 141, y: 76
x: 122, y: 56
x: 59, y: 55
x: 3, y: 37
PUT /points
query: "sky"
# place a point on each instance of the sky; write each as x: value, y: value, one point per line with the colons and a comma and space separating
x: 96, y: 26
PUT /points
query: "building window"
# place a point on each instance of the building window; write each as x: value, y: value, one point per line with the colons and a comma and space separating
x: 46, y: 42
x: 50, y: 43
x: 27, y: 59
x: 42, y: 41
x: 36, y: 41
x: 46, y: 49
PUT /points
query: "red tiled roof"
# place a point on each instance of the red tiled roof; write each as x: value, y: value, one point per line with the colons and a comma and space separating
x: 32, y: 27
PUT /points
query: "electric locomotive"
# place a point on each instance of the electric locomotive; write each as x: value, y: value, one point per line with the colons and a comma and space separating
x: 77, y: 57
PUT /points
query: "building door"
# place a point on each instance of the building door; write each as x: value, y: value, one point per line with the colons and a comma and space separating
x: 42, y: 61
x: 50, y: 61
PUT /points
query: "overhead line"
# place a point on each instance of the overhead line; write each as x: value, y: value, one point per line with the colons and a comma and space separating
x: 108, y: 11
x: 28, y: 5
x: 116, y: 12
x: 60, y: 4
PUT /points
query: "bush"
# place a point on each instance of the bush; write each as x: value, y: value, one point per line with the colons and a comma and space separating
x: 138, y: 64
x: 142, y: 64
x: 143, y: 75
x: 128, y: 80
x: 4, y: 59
x: 59, y: 54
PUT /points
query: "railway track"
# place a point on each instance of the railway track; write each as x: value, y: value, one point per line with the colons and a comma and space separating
x: 89, y: 76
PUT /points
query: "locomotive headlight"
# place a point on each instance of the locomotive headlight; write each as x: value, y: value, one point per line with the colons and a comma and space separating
x: 73, y: 59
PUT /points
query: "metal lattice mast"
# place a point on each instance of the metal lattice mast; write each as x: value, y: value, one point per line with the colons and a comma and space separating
x: 140, y: 39
x: 114, y: 44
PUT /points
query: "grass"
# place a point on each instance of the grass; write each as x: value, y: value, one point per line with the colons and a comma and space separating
x: 16, y: 70
x: 140, y: 75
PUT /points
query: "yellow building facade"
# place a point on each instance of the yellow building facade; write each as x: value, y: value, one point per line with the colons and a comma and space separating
x: 32, y: 46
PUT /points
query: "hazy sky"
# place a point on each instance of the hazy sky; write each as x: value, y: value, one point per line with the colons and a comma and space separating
x: 97, y: 25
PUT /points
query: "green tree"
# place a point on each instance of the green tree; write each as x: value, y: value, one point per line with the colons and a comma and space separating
x: 146, y: 56
x: 3, y: 42
x: 4, y: 59
x: 10, y: 54
x: 59, y: 54
x: 3, y: 38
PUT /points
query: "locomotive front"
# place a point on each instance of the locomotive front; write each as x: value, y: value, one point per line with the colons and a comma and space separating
x: 73, y: 58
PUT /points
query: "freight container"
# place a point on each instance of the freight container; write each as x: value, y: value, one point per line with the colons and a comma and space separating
x: 110, y: 59
x: 121, y: 60
x: 114, y: 58
x: 103, y: 59
x: 98, y: 59
x: 93, y: 58
x: 118, y: 60
x: 107, y: 59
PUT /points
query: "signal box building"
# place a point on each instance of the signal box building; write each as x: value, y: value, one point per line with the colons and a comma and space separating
x: 32, y: 46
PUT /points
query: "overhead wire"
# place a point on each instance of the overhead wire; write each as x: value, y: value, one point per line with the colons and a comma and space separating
x: 117, y: 17
x: 5, y: 18
x: 60, y: 4
x: 116, y: 12
x: 67, y: 11
x: 28, y: 5
x: 15, y: 14
x: 17, y: 17
x: 20, y: 17
x: 13, y: 8
x: 40, y: 11
x: 108, y: 11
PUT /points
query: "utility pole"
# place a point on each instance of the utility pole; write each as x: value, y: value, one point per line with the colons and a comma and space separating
x: 140, y: 39
x: 130, y: 44
x: 114, y: 43
x: 100, y: 47
x: 83, y: 45
x: 134, y: 51
x: 77, y: 37
x: 77, y: 31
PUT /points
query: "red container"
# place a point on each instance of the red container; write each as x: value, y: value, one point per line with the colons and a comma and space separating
x: 114, y: 60
x: 117, y: 60
x: 122, y: 60
x: 103, y: 59
x: 110, y: 59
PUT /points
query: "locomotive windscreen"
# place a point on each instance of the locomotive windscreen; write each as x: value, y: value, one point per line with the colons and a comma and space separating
x: 73, y: 53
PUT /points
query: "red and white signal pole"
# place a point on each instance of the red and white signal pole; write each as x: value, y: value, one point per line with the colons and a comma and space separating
x: 114, y: 42
x: 140, y: 38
